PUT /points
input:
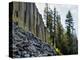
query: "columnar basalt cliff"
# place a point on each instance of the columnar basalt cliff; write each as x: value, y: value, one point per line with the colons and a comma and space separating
x: 28, y: 36
x: 27, y: 16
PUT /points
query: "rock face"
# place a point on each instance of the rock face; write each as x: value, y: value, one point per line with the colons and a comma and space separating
x: 27, y: 14
x: 25, y: 44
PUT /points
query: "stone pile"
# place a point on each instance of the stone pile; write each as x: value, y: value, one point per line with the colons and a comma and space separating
x: 25, y: 44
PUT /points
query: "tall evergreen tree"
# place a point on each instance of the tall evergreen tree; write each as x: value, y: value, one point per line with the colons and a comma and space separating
x: 54, y: 26
x: 59, y: 32
x: 69, y: 26
x: 48, y: 15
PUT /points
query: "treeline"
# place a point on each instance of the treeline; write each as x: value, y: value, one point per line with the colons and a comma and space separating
x: 63, y: 40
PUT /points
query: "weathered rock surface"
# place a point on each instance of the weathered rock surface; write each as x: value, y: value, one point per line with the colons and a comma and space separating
x: 25, y: 44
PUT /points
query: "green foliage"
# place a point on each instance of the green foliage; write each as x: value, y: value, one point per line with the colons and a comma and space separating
x: 58, y: 51
x: 69, y: 35
x: 63, y: 40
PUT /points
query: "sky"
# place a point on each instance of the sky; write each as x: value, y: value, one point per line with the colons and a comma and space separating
x: 62, y: 11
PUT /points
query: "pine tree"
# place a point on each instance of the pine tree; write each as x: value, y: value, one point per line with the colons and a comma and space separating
x: 69, y: 26
x: 59, y: 32
x: 48, y: 15
x: 54, y: 26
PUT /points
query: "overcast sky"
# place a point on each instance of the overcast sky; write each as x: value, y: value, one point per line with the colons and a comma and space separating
x: 62, y: 10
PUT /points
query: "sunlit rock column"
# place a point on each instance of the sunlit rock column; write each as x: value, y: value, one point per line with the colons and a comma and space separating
x: 35, y: 20
x: 15, y: 12
x: 26, y: 17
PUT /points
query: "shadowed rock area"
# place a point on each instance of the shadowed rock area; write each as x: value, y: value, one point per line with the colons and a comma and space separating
x: 25, y: 44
